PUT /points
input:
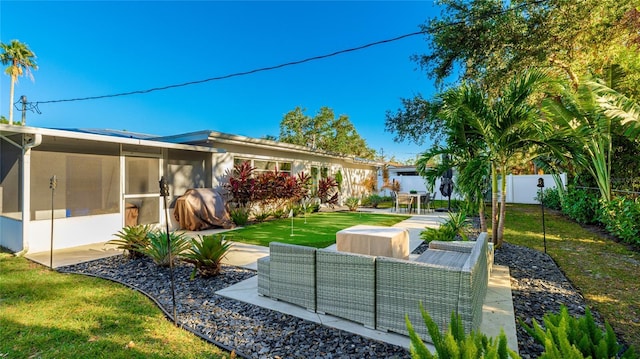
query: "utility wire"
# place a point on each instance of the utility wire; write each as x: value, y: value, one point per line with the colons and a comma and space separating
x: 292, y: 63
x: 244, y: 73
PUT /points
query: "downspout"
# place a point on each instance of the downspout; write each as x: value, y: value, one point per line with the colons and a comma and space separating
x: 29, y: 141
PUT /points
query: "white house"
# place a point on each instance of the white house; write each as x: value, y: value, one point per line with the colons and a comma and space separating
x: 100, y: 173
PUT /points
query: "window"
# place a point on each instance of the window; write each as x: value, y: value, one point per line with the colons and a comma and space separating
x: 10, y: 183
x: 264, y: 165
x: 87, y: 184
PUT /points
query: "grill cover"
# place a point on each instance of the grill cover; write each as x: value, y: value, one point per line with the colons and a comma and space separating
x: 201, y: 208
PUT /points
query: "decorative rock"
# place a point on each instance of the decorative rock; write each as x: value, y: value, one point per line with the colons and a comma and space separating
x: 537, y: 285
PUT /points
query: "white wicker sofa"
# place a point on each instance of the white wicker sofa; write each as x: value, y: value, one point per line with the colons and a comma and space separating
x: 379, y: 291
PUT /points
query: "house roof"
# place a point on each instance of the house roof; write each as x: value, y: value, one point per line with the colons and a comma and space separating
x: 112, y: 136
x: 195, y: 141
x: 207, y: 136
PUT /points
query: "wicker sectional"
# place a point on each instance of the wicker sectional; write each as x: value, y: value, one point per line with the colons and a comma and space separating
x: 379, y: 291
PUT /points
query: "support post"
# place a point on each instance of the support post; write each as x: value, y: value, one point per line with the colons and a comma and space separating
x: 544, y: 232
x: 164, y: 192
x: 53, y: 183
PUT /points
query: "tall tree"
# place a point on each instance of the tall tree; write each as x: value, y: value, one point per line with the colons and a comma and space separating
x: 491, y: 40
x: 498, y: 127
x: 325, y: 132
x: 20, y: 60
x: 487, y: 42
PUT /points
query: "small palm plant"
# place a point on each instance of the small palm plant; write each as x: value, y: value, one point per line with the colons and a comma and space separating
x: 352, y: 203
x: 456, y: 225
x: 158, y: 248
x: 206, y: 253
x: 131, y: 239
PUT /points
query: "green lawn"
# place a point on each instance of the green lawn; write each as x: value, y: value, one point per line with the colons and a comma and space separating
x: 319, y: 230
x: 605, y: 272
x: 45, y: 314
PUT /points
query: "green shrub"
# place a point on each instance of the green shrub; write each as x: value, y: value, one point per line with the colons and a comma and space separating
x: 131, y: 238
x: 581, y: 205
x: 352, y: 203
x: 239, y: 215
x: 158, y: 248
x: 206, y: 253
x: 551, y: 198
x: 455, y: 343
x: 374, y: 200
x: 261, y: 216
x: 442, y: 233
x: 621, y: 217
x: 569, y: 337
x: 455, y: 226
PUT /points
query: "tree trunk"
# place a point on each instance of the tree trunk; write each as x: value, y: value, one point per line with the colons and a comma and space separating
x: 503, y: 208
x: 494, y: 205
x: 13, y: 81
x: 483, y: 220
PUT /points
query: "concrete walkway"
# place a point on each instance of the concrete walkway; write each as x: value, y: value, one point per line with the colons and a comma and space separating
x: 498, y: 309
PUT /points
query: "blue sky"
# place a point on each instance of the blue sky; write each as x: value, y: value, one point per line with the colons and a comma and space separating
x: 93, y: 48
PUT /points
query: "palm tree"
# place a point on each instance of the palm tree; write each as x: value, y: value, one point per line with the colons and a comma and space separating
x: 498, y: 128
x: 465, y: 150
x: 585, y: 120
x: 20, y: 60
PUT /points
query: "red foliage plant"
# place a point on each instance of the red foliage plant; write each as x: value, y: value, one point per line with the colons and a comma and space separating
x: 241, y: 185
x: 328, y: 191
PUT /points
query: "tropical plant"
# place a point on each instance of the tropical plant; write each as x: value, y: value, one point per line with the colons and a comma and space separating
x: 565, y: 336
x: 586, y: 119
x: 621, y: 216
x: 581, y: 205
x: 161, y: 251
x: 131, y: 239
x: 206, y: 253
x: 241, y: 184
x: 327, y: 191
x: 455, y: 343
x: 352, y: 203
x: 239, y: 215
x: 455, y: 226
x: 20, y: 60
x: 374, y: 200
x: 494, y: 129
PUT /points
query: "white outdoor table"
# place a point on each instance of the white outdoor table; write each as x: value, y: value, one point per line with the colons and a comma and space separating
x: 374, y: 240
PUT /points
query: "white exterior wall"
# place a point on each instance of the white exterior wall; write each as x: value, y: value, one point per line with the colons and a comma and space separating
x: 11, y: 233
x: 523, y: 188
x: 73, y: 231
x: 520, y: 188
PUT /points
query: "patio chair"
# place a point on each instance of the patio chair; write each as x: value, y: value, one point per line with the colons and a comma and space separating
x: 425, y: 201
x: 403, y: 199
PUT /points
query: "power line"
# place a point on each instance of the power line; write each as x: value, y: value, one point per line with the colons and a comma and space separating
x: 244, y: 73
x: 287, y: 64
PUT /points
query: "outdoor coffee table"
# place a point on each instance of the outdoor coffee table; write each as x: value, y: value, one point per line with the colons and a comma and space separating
x: 374, y: 240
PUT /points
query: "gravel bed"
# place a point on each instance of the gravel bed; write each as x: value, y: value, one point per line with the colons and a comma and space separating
x: 538, y: 286
x: 253, y: 332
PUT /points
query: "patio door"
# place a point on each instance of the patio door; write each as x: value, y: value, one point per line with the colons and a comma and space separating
x: 141, y: 189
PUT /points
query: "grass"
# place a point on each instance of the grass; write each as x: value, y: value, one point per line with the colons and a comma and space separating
x: 605, y: 272
x: 319, y: 231
x: 46, y: 314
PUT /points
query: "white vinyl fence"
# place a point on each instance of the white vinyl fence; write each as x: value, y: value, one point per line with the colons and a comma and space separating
x: 520, y: 188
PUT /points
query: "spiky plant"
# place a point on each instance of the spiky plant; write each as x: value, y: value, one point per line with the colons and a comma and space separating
x: 206, y: 253
x: 131, y: 239
x: 158, y: 248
